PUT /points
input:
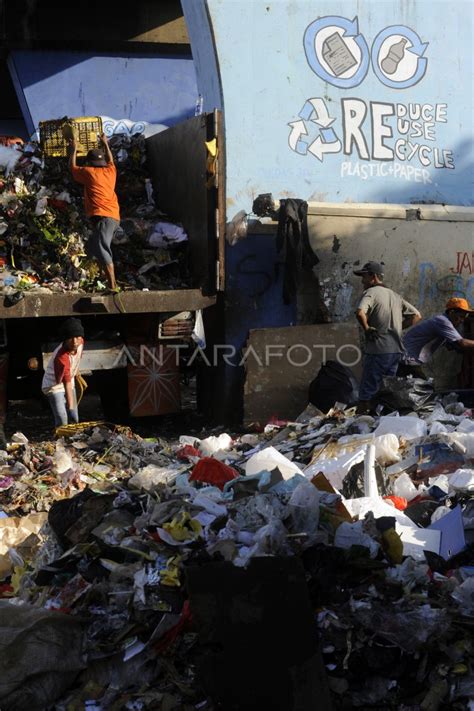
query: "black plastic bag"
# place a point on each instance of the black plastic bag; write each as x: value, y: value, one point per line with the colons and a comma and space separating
x: 334, y: 383
x: 405, y: 393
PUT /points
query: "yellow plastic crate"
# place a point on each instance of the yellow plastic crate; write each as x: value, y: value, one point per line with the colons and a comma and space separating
x: 55, y: 134
x: 68, y: 430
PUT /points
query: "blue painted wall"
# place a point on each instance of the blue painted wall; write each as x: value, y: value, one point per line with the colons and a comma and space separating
x: 288, y: 69
x: 50, y: 85
x: 253, y: 300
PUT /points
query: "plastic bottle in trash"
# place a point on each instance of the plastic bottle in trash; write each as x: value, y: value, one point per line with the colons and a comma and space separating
x: 10, y: 280
x: 198, y: 106
x: 394, y: 56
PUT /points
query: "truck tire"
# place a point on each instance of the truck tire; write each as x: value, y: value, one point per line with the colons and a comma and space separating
x: 112, y: 387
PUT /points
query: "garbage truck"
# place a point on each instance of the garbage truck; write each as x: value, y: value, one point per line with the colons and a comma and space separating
x: 133, y: 339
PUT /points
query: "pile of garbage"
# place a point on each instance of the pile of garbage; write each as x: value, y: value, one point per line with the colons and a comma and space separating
x: 377, y: 511
x: 44, y: 231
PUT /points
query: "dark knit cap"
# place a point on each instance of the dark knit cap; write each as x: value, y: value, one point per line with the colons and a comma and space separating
x: 70, y: 328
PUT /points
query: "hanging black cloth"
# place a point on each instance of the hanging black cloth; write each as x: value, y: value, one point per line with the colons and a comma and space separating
x: 293, y: 238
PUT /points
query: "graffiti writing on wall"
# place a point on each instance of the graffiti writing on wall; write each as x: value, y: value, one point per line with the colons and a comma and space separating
x: 435, y: 285
x: 464, y: 263
x: 404, y: 134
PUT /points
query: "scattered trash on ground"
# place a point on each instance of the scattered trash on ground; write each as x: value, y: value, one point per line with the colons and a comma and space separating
x: 378, y: 511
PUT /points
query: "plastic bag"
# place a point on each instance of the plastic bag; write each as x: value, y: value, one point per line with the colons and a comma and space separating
x: 237, y: 228
x: 40, y: 656
x: 333, y: 383
x: 352, y: 534
x: 198, y: 335
x: 64, y: 464
x: 386, y: 449
x: 406, y: 426
x: 268, y: 459
x: 466, y: 425
x: 461, y: 480
x: 405, y: 393
x: 464, y: 596
x: 404, y: 487
x: 150, y: 476
x: 303, y: 508
x: 211, y: 445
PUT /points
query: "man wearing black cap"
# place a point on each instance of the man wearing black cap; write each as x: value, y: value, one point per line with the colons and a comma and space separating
x: 100, y: 201
x: 382, y: 314
x: 62, y: 368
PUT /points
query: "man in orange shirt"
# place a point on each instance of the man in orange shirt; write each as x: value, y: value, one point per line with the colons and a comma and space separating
x: 100, y: 202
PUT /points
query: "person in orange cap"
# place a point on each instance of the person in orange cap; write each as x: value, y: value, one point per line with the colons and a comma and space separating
x: 421, y: 341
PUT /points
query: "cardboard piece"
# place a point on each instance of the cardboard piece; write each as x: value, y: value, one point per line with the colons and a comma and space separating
x: 452, y: 533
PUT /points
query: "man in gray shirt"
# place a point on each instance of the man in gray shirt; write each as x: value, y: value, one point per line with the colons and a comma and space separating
x: 382, y: 314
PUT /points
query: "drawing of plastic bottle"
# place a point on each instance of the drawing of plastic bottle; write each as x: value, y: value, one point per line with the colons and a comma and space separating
x: 394, y: 56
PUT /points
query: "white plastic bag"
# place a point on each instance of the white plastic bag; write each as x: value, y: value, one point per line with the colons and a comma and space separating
x: 267, y: 460
x: 211, y: 445
x: 461, y: 480
x: 466, y: 425
x: 303, y: 508
x: 150, y: 476
x: 386, y: 449
x: 404, y: 487
x: 198, y: 335
x: 352, y: 534
x: 404, y: 426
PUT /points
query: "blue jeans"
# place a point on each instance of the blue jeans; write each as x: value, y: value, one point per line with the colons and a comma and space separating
x: 61, y: 414
x: 376, y: 366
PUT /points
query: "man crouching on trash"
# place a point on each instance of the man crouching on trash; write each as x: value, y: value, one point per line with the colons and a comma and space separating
x: 63, y: 366
x: 383, y: 314
x: 100, y: 202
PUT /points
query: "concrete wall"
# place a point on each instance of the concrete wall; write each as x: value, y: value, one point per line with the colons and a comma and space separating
x: 317, y: 107
x: 52, y: 84
x: 428, y: 253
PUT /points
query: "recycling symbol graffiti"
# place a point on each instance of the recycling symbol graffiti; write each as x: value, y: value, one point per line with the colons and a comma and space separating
x: 336, y: 52
x: 314, y: 111
x: 397, y: 57
x: 339, y: 54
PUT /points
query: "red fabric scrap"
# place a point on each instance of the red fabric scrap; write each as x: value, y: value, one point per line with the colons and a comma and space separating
x: 188, y: 451
x: 212, y: 471
x: 399, y: 502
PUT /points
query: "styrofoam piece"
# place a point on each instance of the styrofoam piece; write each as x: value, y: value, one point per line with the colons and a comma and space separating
x: 370, y: 479
x: 379, y: 507
x: 335, y: 470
